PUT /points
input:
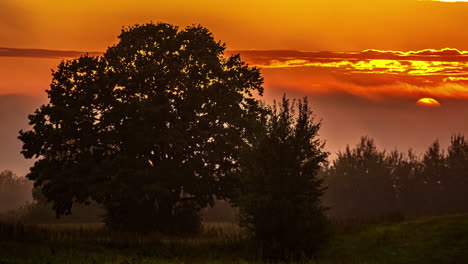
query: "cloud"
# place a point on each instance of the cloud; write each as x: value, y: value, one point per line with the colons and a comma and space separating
x: 293, y: 58
x: 374, y: 74
x: 371, y: 73
x: 43, y: 53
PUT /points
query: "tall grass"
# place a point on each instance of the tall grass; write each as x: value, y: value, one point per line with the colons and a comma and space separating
x: 419, y: 241
x: 218, y: 240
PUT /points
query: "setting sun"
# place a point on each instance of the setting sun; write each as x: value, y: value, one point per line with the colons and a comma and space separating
x: 428, y: 102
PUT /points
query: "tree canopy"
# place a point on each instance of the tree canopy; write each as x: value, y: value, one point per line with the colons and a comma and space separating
x: 15, y: 191
x: 148, y: 130
x: 365, y: 182
x: 361, y: 182
x: 279, y: 194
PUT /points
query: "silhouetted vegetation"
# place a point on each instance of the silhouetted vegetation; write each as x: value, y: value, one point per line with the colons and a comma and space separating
x: 279, y: 191
x: 148, y: 130
x: 222, y: 211
x: 365, y: 182
x: 361, y: 183
x: 15, y: 191
x: 40, y: 211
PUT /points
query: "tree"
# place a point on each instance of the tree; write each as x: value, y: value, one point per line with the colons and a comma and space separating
x: 361, y: 182
x: 455, y: 180
x: 406, y: 173
x: 15, y: 191
x: 279, y: 194
x: 39, y: 211
x: 148, y: 130
x: 431, y: 188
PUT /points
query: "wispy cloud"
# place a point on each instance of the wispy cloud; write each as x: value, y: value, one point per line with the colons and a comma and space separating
x: 423, y: 62
x: 370, y: 73
x: 42, y: 53
x: 375, y: 74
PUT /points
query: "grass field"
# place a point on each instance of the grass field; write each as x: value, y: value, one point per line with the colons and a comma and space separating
x: 423, y: 240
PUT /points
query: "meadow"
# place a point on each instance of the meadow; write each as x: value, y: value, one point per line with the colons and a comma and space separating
x: 425, y: 240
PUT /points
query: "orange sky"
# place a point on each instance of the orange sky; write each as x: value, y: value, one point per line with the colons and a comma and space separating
x: 296, y: 25
x: 372, y: 74
x: 364, y: 63
x: 334, y: 25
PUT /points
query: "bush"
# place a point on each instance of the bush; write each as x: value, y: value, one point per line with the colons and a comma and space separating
x: 279, y: 190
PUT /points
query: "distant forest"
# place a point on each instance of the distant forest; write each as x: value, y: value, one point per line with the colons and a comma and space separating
x: 363, y: 182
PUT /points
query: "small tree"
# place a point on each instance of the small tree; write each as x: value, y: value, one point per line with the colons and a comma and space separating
x: 279, y: 193
x: 455, y: 180
x: 431, y: 187
x: 15, y: 191
x: 361, y: 183
x: 148, y: 130
x: 406, y: 173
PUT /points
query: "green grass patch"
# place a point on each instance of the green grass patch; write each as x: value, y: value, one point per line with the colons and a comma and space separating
x: 424, y: 240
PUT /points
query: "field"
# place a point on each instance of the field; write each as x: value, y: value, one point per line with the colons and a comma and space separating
x: 422, y: 240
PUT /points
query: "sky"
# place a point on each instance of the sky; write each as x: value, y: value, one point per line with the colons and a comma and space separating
x: 363, y: 64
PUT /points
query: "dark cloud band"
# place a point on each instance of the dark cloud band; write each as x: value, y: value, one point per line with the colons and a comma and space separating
x: 369, y: 73
x: 43, y: 53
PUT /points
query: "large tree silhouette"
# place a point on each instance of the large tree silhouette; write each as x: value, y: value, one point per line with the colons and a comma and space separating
x: 148, y: 130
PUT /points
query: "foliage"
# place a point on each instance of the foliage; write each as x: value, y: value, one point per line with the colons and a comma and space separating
x: 361, y: 183
x: 148, y: 130
x: 456, y: 175
x: 368, y: 183
x: 15, y: 191
x: 444, y: 178
x: 279, y: 191
x: 41, y: 212
x: 222, y: 211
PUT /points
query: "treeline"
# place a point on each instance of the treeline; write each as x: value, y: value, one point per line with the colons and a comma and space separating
x: 365, y: 182
x: 15, y: 191
x: 20, y: 201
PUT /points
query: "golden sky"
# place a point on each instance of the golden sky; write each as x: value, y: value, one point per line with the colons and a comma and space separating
x: 333, y: 25
x: 362, y: 29
x: 373, y: 74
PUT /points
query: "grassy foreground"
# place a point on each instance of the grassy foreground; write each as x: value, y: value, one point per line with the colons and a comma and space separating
x: 422, y: 240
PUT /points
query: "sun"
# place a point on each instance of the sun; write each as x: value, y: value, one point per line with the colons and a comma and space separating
x: 428, y: 102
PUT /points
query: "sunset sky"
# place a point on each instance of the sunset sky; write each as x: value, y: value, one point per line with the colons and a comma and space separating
x: 364, y: 64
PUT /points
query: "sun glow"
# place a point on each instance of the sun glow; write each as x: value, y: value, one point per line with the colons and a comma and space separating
x: 428, y: 102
